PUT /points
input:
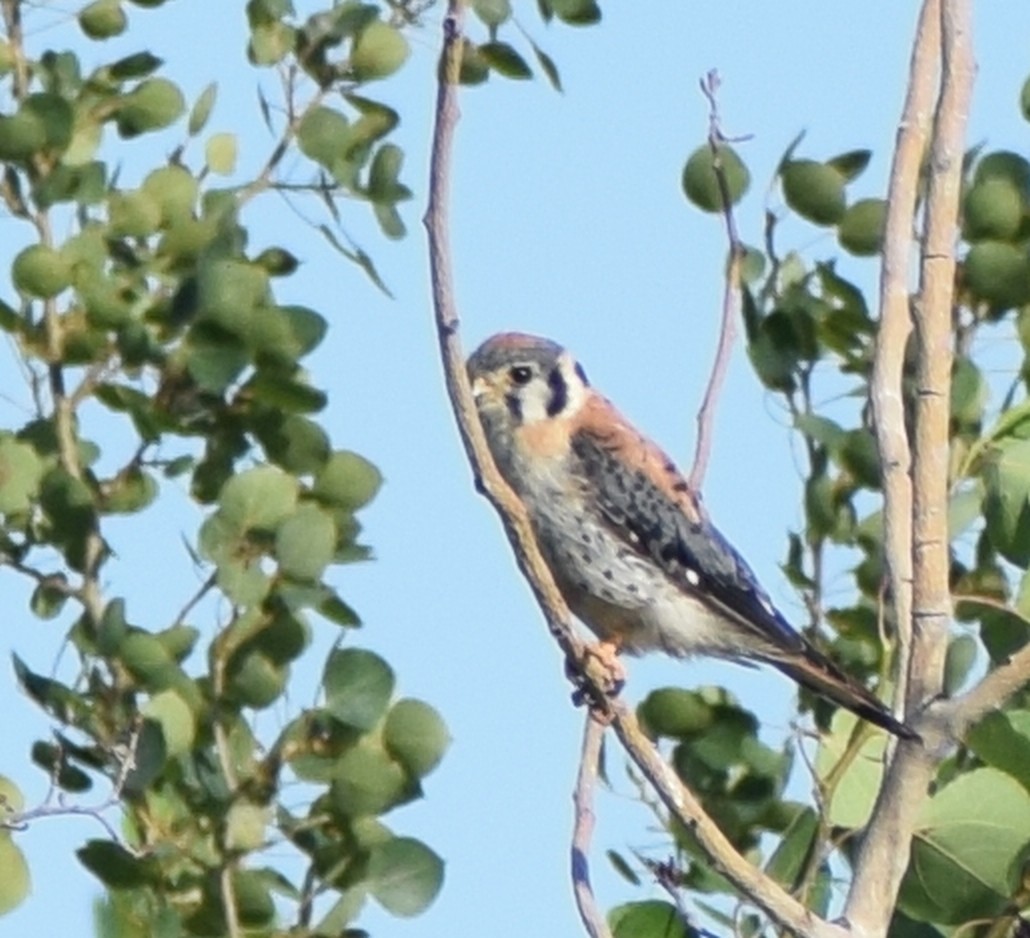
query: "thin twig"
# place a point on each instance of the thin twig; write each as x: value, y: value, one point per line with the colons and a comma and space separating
x: 731, y: 290
x: 583, y: 829
x: 782, y: 908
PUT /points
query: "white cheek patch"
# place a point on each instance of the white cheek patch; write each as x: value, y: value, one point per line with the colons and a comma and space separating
x: 576, y: 388
x: 534, y: 398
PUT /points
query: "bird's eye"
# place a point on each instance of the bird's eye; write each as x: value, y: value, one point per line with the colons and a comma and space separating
x: 521, y: 374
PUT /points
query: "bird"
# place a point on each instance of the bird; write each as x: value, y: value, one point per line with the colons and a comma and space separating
x: 629, y: 543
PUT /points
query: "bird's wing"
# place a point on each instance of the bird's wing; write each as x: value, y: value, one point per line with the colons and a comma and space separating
x: 648, y: 504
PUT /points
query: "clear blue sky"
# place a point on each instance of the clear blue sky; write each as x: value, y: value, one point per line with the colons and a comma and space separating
x: 568, y: 221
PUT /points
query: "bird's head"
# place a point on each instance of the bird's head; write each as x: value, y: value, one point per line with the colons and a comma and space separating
x: 519, y: 380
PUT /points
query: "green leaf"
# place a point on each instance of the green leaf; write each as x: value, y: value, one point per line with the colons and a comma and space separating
x: 178, y: 725
x: 416, y: 736
x: 134, y: 66
x: 851, y: 801
x: 492, y: 12
x: 297, y: 444
x: 201, y: 111
x: 152, y: 105
x: 851, y: 164
x: 404, y: 875
x: 790, y: 856
x: 148, y: 660
x: 228, y: 290
x: 347, y: 480
x: 367, y: 781
x: 861, y: 229
x: 998, y: 273
x: 220, y: 153
x: 993, y: 209
x: 305, y: 543
x: 1002, y: 740
x: 358, y: 685
x: 577, y: 13
x: 814, y: 190
x: 21, y: 472
x: 652, y: 918
x: 676, y: 713
x: 40, y: 271
x: 113, y: 865
x: 103, y: 19
x: 1006, y: 507
x: 245, y: 826
x: 322, y: 135
x: 959, y: 661
x: 12, y: 801
x: 258, y: 498
x: 504, y: 60
x: 16, y: 882
x: 379, y: 51
x: 701, y: 184
x: 255, y: 680
x: 969, y: 838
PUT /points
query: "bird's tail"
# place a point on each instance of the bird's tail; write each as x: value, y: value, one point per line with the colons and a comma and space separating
x: 815, y: 671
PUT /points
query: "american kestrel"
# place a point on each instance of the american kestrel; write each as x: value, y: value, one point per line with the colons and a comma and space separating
x: 630, y: 546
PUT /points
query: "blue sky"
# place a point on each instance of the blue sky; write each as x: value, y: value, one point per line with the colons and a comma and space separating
x: 568, y: 221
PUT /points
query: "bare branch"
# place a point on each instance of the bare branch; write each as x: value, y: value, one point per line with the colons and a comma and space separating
x: 781, y: 907
x: 884, y: 854
x: 731, y: 291
x: 583, y: 829
x: 995, y: 688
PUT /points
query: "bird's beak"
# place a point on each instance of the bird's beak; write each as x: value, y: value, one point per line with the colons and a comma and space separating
x: 480, y: 388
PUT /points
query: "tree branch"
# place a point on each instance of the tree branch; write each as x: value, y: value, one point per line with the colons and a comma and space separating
x: 583, y: 829
x: 993, y: 690
x: 884, y: 854
x: 731, y: 291
x: 779, y: 905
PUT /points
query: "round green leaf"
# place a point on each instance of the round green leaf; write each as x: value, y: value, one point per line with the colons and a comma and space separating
x: 379, y: 51
x: 1002, y: 740
x: 134, y: 214
x: 492, y: 12
x: 992, y: 209
x: 322, y: 135
x: 970, y: 835
x: 40, y: 271
x: 367, y: 781
x: 174, y: 190
x: 113, y: 865
x: 504, y: 60
x: 21, y: 135
x: 55, y: 115
x: 175, y: 718
x: 258, y: 498
x: 815, y: 191
x: 1007, y: 501
x: 253, y: 897
x: 227, y: 292
x: 701, y: 184
x: 153, y: 104
x: 358, y: 685
x: 416, y: 735
x: 305, y: 543
x: 15, y: 882
x: 21, y: 471
x: 404, y: 875
x: 1004, y: 164
x: 220, y: 153
x: 652, y: 917
x: 12, y: 801
x: 998, y: 274
x: 347, y: 480
x: 148, y: 660
x: 861, y: 229
x: 255, y: 680
x: 295, y: 443
x: 245, y: 826
x: 674, y: 712
x: 103, y: 19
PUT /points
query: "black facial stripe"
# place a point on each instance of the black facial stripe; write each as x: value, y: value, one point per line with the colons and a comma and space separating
x: 514, y: 407
x: 559, y: 392
x: 582, y: 375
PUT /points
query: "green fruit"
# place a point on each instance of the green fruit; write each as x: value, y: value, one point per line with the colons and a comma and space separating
x: 701, y: 184
x: 998, y: 273
x: 861, y: 228
x: 992, y: 210
x: 41, y: 271
x: 1004, y: 164
x: 815, y: 191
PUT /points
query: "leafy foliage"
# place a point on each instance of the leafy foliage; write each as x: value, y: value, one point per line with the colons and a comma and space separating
x: 155, y: 310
